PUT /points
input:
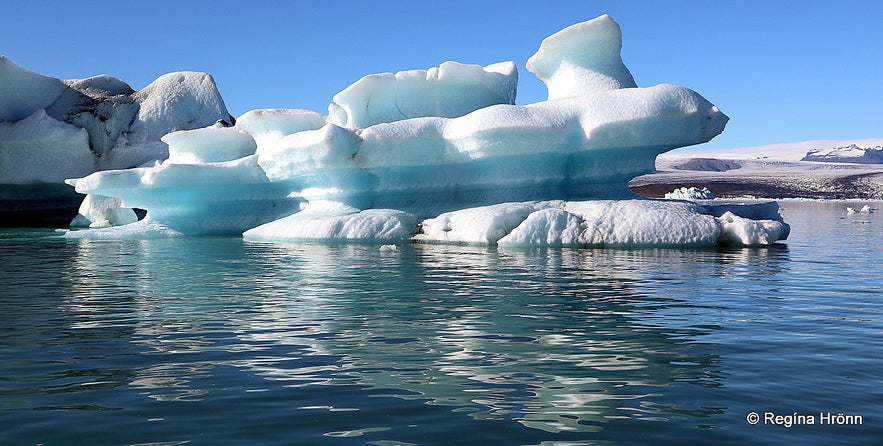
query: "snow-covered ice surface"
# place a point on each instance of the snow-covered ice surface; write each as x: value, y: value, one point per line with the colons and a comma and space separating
x: 582, y: 58
x: 596, y: 223
x: 443, y: 156
x: 770, y: 171
x: 600, y: 223
x: 449, y: 90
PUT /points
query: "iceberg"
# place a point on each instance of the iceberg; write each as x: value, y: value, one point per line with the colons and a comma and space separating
x: 575, y: 148
x: 52, y: 129
x: 444, y: 155
x: 690, y: 193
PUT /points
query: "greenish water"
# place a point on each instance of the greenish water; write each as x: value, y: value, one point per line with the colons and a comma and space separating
x: 215, y: 340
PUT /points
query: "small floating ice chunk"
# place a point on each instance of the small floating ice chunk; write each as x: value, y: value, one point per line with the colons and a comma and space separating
x: 690, y: 193
x: 850, y: 210
x: 865, y: 209
x: 388, y: 248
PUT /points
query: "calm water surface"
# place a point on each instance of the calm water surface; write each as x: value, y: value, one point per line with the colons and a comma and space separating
x: 213, y: 341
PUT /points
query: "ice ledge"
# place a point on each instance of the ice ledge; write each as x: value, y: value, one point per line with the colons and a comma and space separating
x: 577, y: 224
x: 608, y: 223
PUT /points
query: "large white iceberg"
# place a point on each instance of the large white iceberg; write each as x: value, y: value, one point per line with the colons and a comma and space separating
x: 52, y: 129
x: 576, y: 148
x: 444, y: 155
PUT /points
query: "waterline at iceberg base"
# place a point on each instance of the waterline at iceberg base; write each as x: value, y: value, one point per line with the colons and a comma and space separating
x: 444, y: 155
x: 596, y: 223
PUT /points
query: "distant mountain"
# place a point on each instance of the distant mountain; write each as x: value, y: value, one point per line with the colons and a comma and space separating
x: 849, y: 169
x: 847, y: 154
x: 787, y: 151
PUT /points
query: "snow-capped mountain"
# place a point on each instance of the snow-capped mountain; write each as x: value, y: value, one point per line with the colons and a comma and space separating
x: 851, y: 153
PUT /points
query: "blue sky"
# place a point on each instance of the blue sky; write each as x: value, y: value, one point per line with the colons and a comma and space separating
x: 783, y: 71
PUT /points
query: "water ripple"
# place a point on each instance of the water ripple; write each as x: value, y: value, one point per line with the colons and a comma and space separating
x: 212, y: 340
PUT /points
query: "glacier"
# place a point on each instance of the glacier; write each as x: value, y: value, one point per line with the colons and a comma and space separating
x: 444, y: 155
x: 851, y: 153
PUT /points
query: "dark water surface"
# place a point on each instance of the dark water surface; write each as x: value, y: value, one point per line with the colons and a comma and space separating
x: 213, y: 341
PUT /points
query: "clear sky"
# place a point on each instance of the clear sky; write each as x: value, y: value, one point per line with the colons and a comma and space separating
x: 784, y: 71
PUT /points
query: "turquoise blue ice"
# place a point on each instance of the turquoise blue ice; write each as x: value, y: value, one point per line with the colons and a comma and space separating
x: 444, y: 155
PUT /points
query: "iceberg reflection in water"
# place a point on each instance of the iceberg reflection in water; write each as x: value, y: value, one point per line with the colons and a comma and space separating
x: 561, y: 341
x: 218, y: 340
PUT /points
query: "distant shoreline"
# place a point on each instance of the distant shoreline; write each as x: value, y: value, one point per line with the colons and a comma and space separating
x: 778, y: 181
x: 773, y: 171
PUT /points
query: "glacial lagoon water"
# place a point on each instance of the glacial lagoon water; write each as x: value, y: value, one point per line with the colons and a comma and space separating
x: 216, y: 340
